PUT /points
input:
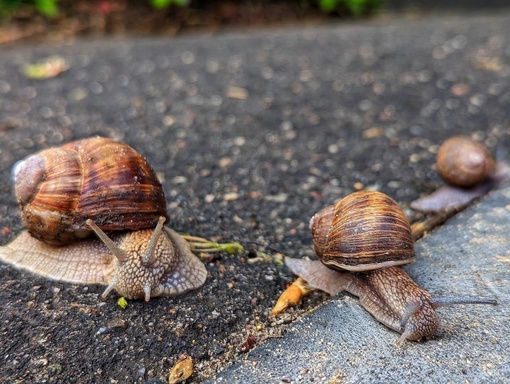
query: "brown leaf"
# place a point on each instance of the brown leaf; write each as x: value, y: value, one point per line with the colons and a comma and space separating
x: 182, y: 370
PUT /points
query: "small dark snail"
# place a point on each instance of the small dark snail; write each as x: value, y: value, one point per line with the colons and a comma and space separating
x: 370, y: 227
x: 464, y: 162
x: 470, y: 171
x: 98, y: 184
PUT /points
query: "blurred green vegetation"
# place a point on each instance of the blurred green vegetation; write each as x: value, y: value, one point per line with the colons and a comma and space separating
x: 160, y: 4
x: 50, y: 8
x: 355, y: 7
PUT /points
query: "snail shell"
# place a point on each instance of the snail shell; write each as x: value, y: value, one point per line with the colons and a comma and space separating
x: 464, y: 162
x: 365, y: 230
x: 98, y: 184
x: 58, y: 189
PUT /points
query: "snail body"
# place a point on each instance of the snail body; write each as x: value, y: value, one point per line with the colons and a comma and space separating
x: 388, y: 293
x: 125, y: 261
x: 91, y: 186
x: 470, y: 172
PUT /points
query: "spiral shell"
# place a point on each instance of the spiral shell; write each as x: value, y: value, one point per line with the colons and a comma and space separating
x: 58, y: 189
x: 366, y: 230
x: 464, y: 162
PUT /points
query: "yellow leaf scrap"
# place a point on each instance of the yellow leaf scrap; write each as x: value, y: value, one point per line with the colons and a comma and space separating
x: 122, y: 303
x: 45, y: 68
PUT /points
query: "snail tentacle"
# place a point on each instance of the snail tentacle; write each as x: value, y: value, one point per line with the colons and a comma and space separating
x: 147, y: 290
x: 110, y: 287
x: 150, y: 255
x: 411, y: 308
x: 447, y: 301
x: 112, y: 247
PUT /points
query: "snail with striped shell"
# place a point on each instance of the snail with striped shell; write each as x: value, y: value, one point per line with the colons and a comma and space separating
x: 96, y: 185
x: 361, y: 242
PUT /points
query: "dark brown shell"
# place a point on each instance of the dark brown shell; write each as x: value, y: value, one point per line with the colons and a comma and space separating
x: 464, y: 162
x: 366, y: 230
x: 58, y: 189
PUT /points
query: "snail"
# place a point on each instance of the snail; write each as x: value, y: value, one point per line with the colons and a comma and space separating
x: 361, y: 243
x: 91, y: 186
x: 470, y: 172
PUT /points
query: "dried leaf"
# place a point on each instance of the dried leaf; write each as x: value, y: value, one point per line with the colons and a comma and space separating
x: 182, y: 370
x: 237, y: 93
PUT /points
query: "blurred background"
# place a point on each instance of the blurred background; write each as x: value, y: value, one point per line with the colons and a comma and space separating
x: 56, y: 20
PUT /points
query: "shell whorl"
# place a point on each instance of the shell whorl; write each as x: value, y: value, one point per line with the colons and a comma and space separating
x: 366, y: 230
x: 58, y: 189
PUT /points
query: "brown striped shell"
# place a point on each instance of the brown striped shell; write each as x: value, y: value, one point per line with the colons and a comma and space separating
x: 366, y: 230
x: 58, y: 189
x: 464, y: 162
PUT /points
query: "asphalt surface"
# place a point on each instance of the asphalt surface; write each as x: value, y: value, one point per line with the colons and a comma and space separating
x: 252, y: 133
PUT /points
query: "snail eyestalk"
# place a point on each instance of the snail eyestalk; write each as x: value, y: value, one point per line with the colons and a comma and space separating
x: 147, y: 290
x: 110, y: 287
x: 112, y: 247
x: 447, y: 301
x: 150, y: 255
x: 410, y: 310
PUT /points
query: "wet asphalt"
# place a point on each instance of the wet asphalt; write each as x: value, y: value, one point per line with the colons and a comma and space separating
x: 254, y: 132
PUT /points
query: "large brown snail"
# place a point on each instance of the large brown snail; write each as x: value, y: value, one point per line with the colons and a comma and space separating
x: 470, y: 171
x: 368, y: 233
x: 97, y: 185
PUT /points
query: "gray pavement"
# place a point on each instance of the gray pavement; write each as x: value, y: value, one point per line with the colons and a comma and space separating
x: 340, y: 343
x: 252, y: 133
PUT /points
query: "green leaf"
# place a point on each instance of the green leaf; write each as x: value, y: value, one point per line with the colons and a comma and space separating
x: 160, y: 4
x: 357, y: 7
x: 48, y: 8
x: 328, y: 5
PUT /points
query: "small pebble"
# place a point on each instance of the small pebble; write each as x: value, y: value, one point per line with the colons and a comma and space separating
x: 237, y: 93
x: 230, y: 196
x: 279, y: 198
